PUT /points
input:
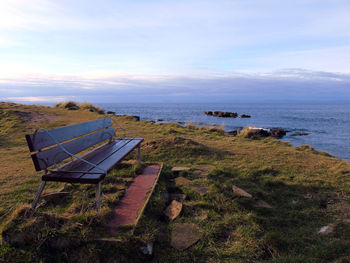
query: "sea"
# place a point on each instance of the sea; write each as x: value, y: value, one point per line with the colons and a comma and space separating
x: 327, y: 125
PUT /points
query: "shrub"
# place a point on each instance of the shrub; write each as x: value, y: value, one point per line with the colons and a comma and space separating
x: 72, y: 105
x: 92, y: 108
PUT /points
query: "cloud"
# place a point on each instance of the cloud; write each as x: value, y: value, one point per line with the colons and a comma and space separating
x: 284, y: 85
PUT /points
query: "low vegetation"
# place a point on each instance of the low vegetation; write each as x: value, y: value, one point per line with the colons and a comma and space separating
x: 72, y: 105
x: 306, y: 188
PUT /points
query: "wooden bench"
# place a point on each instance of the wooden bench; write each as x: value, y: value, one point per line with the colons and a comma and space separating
x: 51, y: 147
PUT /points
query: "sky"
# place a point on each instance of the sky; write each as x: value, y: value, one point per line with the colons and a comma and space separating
x: 174, y: 51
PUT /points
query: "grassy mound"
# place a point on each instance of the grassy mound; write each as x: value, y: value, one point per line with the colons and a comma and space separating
x: 72, y: 105
x: 305, y: 189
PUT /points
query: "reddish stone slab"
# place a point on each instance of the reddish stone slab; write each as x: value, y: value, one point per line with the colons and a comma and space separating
x: 130, y: 208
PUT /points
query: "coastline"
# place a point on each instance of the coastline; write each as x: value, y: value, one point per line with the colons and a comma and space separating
x: 305, y: 191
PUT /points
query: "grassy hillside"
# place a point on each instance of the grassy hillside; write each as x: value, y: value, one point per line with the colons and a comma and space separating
x: 307, y: 190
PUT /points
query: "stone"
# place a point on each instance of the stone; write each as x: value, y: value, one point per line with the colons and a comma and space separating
x: 181, y: 181
x: 299, y: 134
x: 202, y: 190
x: 240, y: 192
x: 262, y: 203
x: 173, y: 210
x: 111, y: 112
x: 148, y: 249
x: 232, y: 133
x: 184, y: 235
x: 178, y: 169
x: 205, y: 167
x: 278, y: 133
x: 244, y: 116
x: 254, y: 133
x: 326, y: 230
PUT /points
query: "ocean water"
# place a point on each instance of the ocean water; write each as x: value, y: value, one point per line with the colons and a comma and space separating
x: 328, y: 124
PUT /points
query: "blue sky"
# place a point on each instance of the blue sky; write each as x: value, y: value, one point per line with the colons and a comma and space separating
x: 116, y: 51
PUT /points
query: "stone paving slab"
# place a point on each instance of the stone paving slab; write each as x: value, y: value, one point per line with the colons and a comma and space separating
x: 130, y: 208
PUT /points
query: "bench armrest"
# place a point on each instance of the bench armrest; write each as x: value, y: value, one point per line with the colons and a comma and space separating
x: 134, y: 133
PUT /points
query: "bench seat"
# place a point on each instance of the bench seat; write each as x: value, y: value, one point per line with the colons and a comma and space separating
x: 105, y: 156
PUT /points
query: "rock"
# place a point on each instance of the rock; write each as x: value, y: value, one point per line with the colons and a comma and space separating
x: 177, y: 197
x: 184, y: 235
x: 278, y: 133
x: 254, y: 133
x: 111, y: 112
x: 205, y: 167
x: 232, y: 133
x: 148, y: 249
x: 181, y: 181
x: 158, y: 120
x: 240, y: 192
x: 136, y: 118
x: 326, y: 230
x: 262, y: 203
x: 178, y: 169
x: 222, y: 114
x: 244, y: 116
x: 300, y: 134
x: 173, y: 210
x: 202, y: 190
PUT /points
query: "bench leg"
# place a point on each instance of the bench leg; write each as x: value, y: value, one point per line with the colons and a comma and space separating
x: 139, y: 154
x: 98, y: 196
x: 41, y: 188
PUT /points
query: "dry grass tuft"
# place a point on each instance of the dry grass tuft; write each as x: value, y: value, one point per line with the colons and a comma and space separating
x: 72, y: 105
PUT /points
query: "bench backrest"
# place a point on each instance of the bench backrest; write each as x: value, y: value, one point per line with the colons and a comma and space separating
x: 74, y: 138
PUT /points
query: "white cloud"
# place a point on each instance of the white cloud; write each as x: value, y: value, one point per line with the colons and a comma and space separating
x: 289, y: 84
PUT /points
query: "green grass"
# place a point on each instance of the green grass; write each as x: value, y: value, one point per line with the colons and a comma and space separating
x: 296, y: 181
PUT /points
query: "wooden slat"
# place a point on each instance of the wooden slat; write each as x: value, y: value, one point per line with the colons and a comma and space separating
x: 41, y: 140
x: 106, y: 157
x: 46, y: 158
x: 97, y: 156
x: 111, y: 160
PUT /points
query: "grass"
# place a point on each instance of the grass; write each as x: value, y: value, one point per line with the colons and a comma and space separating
x: 307, y: 188
x: 72, y: 105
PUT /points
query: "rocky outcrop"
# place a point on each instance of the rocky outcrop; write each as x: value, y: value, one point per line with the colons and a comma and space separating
x: 244, y: 116
x: 277, y: 133
x: 222, y: 114
x: 299, y: 134
x: 260, y: 133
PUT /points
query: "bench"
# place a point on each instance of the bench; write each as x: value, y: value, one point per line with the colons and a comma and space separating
x: 49, y: 148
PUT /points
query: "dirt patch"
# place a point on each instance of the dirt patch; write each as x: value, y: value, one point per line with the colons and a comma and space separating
x: 34, y: 117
